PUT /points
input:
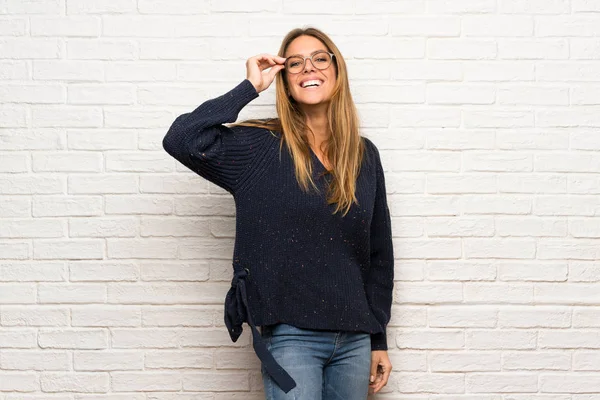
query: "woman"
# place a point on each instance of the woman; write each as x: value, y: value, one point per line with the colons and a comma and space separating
x: 312, y: 267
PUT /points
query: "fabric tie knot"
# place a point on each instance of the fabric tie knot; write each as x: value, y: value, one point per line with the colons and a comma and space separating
x: 235, y: 307
x: 236, y: 313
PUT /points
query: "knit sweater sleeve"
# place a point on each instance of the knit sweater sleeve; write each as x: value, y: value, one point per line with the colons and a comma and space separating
x: 380, y: 280
x: 201, y: 142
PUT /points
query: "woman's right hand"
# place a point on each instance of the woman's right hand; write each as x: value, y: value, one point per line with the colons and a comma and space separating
x: 256, y: 66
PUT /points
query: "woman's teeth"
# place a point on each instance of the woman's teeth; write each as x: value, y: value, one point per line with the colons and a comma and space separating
x: 311, y: 83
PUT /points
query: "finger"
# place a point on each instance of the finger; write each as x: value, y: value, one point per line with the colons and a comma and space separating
x: 375, y: 381
x: 264, y: 63
x: 274, y: 70
x: 374, y: 364
x: 378, y: 385
x: 267, y: 63
x: 275, y: 59
x: 258, y: 59
x: 268, y: 58
x: 378, y: 376
x: 384, y: 377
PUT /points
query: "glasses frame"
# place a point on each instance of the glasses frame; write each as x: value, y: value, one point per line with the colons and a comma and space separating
x: 311, y: 61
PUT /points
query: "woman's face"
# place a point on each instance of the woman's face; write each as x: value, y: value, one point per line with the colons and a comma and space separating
x: 305, y: 46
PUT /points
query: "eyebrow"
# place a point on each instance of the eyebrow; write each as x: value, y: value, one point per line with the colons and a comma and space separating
x: 300, y: 55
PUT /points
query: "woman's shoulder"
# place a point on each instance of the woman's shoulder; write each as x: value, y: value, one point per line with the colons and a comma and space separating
x: 372, y: 152
x: 369, y: 143
x: 265, y: 125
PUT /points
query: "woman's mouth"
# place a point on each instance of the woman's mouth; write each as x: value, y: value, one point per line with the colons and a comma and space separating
x: 311, y: 84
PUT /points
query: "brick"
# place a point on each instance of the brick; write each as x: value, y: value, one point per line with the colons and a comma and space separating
x: 167, y: 293
x: 501, y: 339
x: 36, y: 360
x: 174, y: 227
x: 36, y: 228
x: 105, y: 316
x: 90, y: 339
x: 179, y: 359
x: 423, y: 293
x: 68, y: 249
x: 18, y: 381
x: 103, y: 227
x: 430, y: 339
x: 67, y: 206
x: 34, y: 316
x: 144, y: 338
x: 18, y: 338
x: 502, y: 382
x: 453, y: 361
x: 31, y: 272
x: 31, y: 185
x: 174, y: 272
x: 216, y: 381
x: 145, y: 381
x: 93, y: 7
x: 536, y: 361
x: 78, y: 26
x: 531, y: 271
x: 71, y: 162
x: 80, y: 382
x: 535, y: 317
x: 17, y: 293
x: 103, y: 271
x: 119, y: 360
x: 460, y: 271
x: 121, y: 204
x: 180, y: 315
x: 12, y: 249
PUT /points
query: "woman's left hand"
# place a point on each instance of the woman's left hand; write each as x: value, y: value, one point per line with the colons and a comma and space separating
x: 381, y: 367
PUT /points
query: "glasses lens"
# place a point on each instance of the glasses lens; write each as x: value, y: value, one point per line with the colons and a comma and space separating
x: 294, y: 64
x: 321, y: 60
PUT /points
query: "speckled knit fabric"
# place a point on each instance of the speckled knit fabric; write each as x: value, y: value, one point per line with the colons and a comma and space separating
x: 302, y: 265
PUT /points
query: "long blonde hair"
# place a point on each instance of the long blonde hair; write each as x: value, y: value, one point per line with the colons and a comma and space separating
x: 344, y: 148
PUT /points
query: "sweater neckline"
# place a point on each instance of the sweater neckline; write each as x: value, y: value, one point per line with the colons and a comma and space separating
x: 319, y: 163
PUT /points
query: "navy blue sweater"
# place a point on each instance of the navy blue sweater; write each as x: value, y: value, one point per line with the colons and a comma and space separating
x: 297, y: 263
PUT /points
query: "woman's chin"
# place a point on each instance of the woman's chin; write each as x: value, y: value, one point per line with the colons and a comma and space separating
x: 312, y: 100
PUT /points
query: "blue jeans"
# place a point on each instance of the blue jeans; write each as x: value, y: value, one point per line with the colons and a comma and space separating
x: 326, y: 365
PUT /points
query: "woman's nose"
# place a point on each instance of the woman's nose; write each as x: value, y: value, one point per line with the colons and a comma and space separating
x: 312, y: 67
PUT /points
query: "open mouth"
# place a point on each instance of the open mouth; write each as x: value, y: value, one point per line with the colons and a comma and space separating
x: 311, y: 84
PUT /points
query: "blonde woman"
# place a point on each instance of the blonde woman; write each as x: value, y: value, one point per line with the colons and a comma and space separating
x: 313, y: 263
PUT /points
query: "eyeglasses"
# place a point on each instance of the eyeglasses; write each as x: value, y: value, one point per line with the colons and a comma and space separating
x: 320, y: 60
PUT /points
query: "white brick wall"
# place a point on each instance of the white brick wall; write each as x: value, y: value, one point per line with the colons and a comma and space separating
x: 115, y: 259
